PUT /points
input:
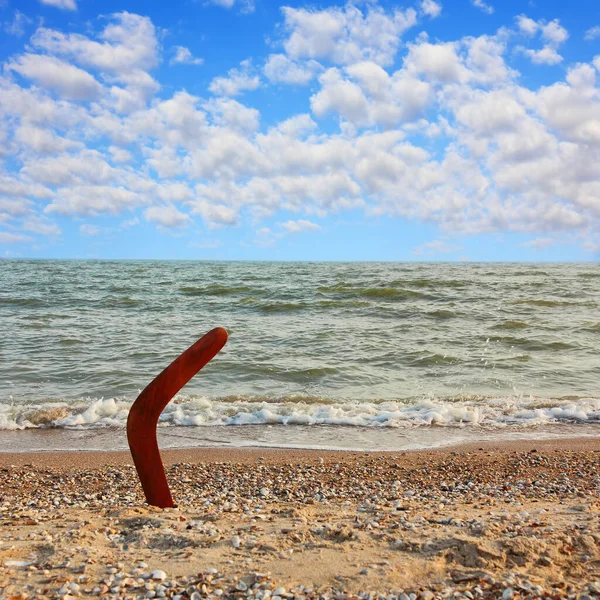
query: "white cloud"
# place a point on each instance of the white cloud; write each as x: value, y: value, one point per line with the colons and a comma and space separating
x: 87, y: 229
x: 345, y: 35
x: 435, y: 247
x: 281, y: 69
x: 229, y: 113
x: 120, y: 155
x: 554, y: 33
x: 539, y: 243
x: 43, y: 141
x: 246, y: 6
x: 13, y: 238
x: 128, y: 44
x: 546, y: 56
x: 215, y: 215
x: 438, y: 62
x: 66, y: 80
x: 93, y: 200
x: 369, y: 96
x: 130, y: 223
x: 236, y: 82
x: 15, y: 208
x: 342, y: 96
x: 167, y: 217
x: 431, y: 8
x: 41, y: 226
x: 526, y: 25
x: 63, y: 4
x: 592, y: 33
x: 300, y: 225
x: 183, y: 56
x: 486, y: 8
x: 451, y: 137
x: 17, y: 25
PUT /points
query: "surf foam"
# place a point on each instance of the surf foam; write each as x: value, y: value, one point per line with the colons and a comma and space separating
x: 204, y: 412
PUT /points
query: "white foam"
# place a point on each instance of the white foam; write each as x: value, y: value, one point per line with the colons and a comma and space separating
x: 202, y: 412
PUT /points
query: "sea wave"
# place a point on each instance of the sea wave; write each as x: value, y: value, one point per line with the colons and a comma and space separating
x: 200, y: 411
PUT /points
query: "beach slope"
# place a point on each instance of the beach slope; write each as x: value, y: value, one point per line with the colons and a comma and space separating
x: 496, y: 520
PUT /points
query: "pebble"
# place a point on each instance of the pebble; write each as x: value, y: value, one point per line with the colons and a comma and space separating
x: 379, y: 499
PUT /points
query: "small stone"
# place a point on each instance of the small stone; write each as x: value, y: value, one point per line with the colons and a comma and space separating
x: 236, y: 541
x: 158, y: 575
x: 427, y: 595
x: 280, y: 591
x: 74, y: 587
x: 507, y: 594
x: 241, y: 586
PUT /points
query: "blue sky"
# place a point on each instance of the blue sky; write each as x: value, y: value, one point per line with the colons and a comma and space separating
x: 253, y: 129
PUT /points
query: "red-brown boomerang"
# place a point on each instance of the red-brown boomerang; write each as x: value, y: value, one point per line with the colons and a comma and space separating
x: 143, y: 416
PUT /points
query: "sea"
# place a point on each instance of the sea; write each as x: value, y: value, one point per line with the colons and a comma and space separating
x: 352, y: 356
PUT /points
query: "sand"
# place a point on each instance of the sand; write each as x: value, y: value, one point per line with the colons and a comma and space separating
x: 510, y: 520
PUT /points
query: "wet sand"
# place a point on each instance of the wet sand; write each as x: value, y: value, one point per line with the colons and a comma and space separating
x: 498, y: 520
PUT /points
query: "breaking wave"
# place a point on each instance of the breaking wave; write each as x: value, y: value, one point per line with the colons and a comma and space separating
x: 200, y: 411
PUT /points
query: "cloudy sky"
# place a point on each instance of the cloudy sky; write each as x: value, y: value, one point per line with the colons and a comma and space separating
x: 251, y: 129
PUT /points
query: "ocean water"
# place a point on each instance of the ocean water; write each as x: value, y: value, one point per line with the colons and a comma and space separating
x: 341, y: 355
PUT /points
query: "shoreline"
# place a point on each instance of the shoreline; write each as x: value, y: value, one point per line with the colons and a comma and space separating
x: 216, y: 454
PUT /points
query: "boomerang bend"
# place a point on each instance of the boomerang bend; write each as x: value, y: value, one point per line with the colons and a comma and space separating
x: 144, y: 414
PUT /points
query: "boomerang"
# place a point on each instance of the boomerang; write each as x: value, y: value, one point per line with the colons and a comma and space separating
x: 144, y: 414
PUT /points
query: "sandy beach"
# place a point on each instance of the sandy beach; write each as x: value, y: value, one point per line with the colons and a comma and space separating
x: 504, y: 520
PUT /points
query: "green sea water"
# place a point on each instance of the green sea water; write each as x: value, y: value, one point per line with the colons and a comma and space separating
x: 340, y: 344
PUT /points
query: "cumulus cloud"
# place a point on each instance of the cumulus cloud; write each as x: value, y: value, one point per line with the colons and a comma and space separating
x: 431, y: 8
x: 592, y: 33
x: 68, y: 81
x: 120, y: 155
x: 366, y: 95
x: 62, y: 4
x: 246, y: 6
x: 450, y: 134
x: 236, y: 81
x: 281, y: 69
x: 551, y: 32
x: 300, y: 225
x: 546, y: 56
x: 41, y: 226
x: 229, y: 113
x: 167, y: 217
x: 183, y: 56
x: 346, y: 35
x: 6, y: 237
x: 526, y: 25
x: 127, y: 44
x: 483, y: 6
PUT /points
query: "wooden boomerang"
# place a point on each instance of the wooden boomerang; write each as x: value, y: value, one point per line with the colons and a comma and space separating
x: 144, y: 414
